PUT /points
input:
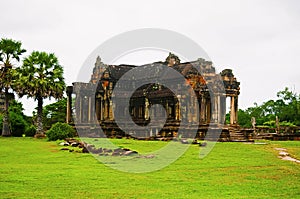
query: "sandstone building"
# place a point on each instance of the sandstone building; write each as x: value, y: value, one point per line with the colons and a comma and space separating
x: 94, y: 104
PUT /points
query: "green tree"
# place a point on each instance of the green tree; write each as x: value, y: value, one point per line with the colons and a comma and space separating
x: 244, y: 118
x: 290, y: 106
x: 55, y: 112
x: 286, y: 107
x: 10, y: 51
x: 19, y: 123
x: 41, y: 77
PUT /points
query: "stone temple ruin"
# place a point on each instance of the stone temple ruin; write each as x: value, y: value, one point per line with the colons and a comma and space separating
x: 94, y: 104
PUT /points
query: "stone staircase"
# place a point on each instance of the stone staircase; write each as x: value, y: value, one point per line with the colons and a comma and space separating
x: 237, y: 136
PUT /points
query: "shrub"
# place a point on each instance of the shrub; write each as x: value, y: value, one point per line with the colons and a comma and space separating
x: 18, y: 124
x: 30, y: 131
x: 60, y: 131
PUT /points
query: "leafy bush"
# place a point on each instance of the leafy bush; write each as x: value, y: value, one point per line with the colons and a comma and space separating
x: 18, y: 124
x: 60, y: 131
x: 30, y: 131
x: 285, y: 123
x: 271, y: 123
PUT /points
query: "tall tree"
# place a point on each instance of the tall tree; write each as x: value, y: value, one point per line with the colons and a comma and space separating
x: 10, y: 51
x: 41, y: 77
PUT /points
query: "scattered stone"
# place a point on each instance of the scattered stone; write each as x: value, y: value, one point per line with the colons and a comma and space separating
x: 84, y: 150
x: 128, y: 153
x: 115, y: 154
x: 184, y: 142
x: 283, y: 153
x: 64, y: 144
x: 90, y: 148
x: 195, y: 142
x: 64, y: 149
x: 203, y: 144
x: 125, y: 149
x: 75, y: 144
x: 107, y: 150
x: 118, y: 150
x: 290, y: 159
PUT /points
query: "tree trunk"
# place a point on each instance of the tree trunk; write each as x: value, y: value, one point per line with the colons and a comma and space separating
x: 6, y: 130
x: 40, y: 129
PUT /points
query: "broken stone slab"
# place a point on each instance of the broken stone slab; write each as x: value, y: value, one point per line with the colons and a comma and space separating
x: 184, y: 142
x: 289, y: 158
x: 75, y: 144
x: 84, y: 150
x: 283, y: 153
x: 115, y: 154
x: 128, y: 153
x: 64, y: 144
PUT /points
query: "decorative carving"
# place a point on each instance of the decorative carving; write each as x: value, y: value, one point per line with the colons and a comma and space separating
x: 172, y: 60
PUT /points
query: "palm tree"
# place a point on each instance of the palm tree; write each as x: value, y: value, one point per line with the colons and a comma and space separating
x: 10, y: 51
x: 41, y: 77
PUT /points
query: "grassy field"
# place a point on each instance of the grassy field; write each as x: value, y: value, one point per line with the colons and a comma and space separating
x: 32, y: 168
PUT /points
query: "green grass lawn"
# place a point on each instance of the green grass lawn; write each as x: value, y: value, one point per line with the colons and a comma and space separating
x: 33, y: 168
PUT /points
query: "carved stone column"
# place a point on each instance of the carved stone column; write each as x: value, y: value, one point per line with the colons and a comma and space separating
x: 223, y: 109
x: 89, y: 111
x: 146, y: 116
x: 214, y: 109
x: 77, y: 107
x: 232, y: 110
x: 177, y: 108
x: 105, y: 110
x: 236, y: 109
x: 69, y: 104
x: 208, y: 110
x: 110, y: 114
x: 203, y: 110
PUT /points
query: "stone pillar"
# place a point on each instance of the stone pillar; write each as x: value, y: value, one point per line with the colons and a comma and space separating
x: 220, y: 110
x: 110, y: 114
x: 232, y: 110
x: 98, y: 108
x: 203, y: 110
x: 214, y: 109
x: 146, y: 116
x: 69, y: 104
x: 194, y: 110
x: 77, y: 107
x: 89, y: 111
x: 177, y: 108
x: 223, y: 109
x: 177, y: 111
x: 208, y: 110
x: 236, y: 109
x: 102, y: 107
x: 105, y: 110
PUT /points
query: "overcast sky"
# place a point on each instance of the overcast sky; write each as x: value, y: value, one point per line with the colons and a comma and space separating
x: 258, y: 39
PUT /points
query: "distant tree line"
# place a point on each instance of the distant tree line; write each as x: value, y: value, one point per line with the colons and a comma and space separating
x: 286, y: 107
